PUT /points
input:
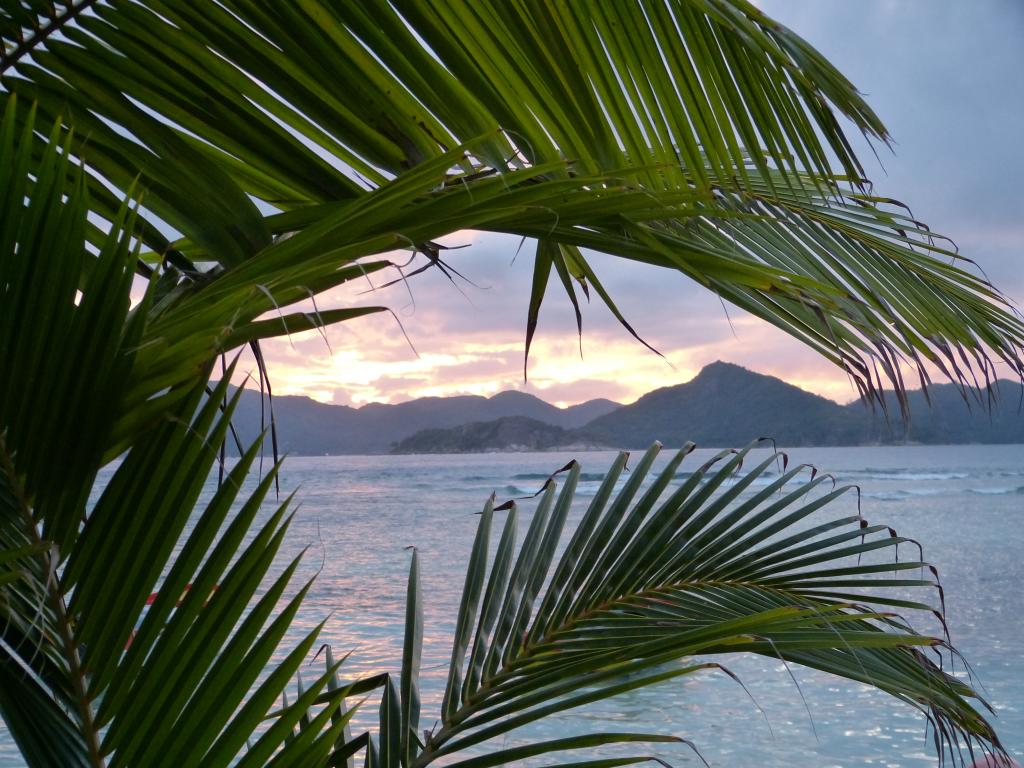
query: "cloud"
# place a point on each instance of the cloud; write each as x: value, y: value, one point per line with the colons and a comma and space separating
x: 945, y: 79
x: 371, y: 361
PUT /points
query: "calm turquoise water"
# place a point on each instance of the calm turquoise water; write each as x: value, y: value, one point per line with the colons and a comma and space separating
x: 965, y: 504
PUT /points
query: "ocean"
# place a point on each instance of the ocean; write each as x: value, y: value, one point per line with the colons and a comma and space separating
x: 964, y: 504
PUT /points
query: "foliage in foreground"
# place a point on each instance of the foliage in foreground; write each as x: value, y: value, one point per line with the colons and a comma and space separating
x: 78, y: 684
x: 673, y: 565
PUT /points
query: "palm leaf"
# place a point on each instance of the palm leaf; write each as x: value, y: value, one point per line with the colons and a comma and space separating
x: 80, y: 649
x: 719, y: 560
x: 718, y: 117
x: 196, y: 662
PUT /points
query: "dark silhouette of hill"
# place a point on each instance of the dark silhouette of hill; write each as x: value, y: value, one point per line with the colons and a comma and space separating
x: 953, y: 417
x: 511, y: 433
x: 724, y: 405
x: 307, y: 427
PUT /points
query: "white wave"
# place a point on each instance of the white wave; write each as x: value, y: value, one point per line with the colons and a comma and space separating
x: 901, y: 474
x: 996, y: 491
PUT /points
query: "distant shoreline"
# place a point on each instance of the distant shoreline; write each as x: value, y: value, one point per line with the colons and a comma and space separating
x: 639, y: 449
x: 723, y: 406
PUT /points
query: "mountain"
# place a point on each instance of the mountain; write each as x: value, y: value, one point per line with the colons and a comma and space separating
x: 951, y: 419
x: 307, y: 427
x: 511, y: 433
x: 726, y: 405
x: 523, y: 404
x: 584, y: 413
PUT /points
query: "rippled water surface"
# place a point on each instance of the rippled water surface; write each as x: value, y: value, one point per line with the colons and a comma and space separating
x: 965, y: 504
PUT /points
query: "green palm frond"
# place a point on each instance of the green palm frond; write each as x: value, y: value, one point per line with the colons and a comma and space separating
x: 77, y: 643
x: 865, y: 285
x: 232, y: 120
x: 675, y: 565
x: 79, y: 650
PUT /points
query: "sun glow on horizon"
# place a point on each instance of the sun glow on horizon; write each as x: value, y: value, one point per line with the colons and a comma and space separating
x: 612, y: 368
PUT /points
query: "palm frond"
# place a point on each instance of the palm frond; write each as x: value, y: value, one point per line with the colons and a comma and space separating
x: 675, y: 565
x: 720, y: 117
x: 79, y: 649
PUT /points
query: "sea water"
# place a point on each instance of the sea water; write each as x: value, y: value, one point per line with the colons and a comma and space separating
x: 356, y: 515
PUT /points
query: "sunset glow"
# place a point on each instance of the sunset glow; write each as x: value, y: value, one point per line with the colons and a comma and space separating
x: 370, y: 361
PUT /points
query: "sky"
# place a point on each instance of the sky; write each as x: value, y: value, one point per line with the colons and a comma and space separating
x: 947, y: 79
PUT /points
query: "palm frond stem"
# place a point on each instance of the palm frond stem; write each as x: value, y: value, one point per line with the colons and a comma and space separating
x: 55, y: 598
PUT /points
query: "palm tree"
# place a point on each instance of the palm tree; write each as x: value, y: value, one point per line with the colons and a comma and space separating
x: 230, y: 160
